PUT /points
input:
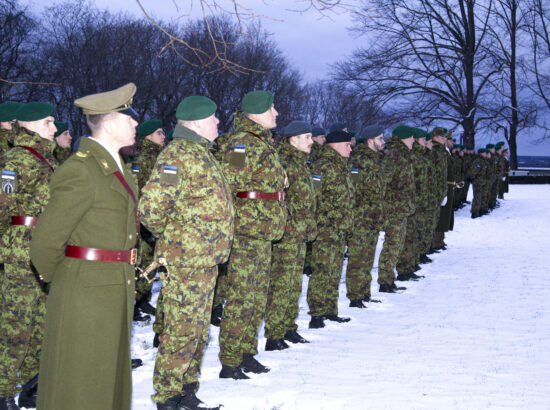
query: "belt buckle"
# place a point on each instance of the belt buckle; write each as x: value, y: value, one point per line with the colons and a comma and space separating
x: 133, y: 256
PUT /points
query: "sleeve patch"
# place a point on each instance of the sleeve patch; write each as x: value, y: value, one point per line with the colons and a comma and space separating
x: 237, y: 156
x: 169, y: 174
x: 8, y: 181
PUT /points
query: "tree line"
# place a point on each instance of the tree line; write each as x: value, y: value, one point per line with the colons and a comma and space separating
x: 479, y: 67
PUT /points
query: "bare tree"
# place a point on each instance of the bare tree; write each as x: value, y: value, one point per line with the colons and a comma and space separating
x: 425, y: 58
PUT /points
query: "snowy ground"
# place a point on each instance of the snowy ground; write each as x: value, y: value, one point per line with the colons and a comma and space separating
x: 474, y: 334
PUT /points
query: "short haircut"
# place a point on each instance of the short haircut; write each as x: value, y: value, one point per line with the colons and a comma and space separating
x: 94, y: 121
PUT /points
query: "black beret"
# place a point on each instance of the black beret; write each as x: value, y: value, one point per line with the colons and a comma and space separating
x: 338, y: 136
x: 316, y: 131
x: 372, y: 131
x: 337, y: 126
x: 296, y: 128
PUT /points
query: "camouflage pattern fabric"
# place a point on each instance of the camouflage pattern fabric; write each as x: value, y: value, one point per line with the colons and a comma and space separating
x: 368, y: 219
x: 477, y: 172
x: 429, y: 216
x: 315, y: 153
x: 335, y: 199
x: 250, y: 164
x: 187, y: 306
x: 221, y: 283
x: 6, y: 140
x: 486, y: 185
x: 144, y: 162
x: 187, y: 205
x: 246, y: 298
x: 61, y: 154
x: 288, y: 255
x: 23, y: 299
x: 495, y: 177
x: 400, y: 200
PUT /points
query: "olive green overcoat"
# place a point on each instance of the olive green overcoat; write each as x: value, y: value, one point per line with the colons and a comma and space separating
x: 85, y: 362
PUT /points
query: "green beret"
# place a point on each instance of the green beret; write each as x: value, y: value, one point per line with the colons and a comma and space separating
x: 403, y: 132
x: 257, y: 102
x: 118, y: 100
x: 489, y: 146
x: 61, y: 128
x: 195, y: 107
x: 316, y: 131
x: 148, y: 127
x: 337, y: 126
x: 296, y: 128
x: 438, y: 131
x: 481, y: 150
x: 498, y: 145
x: 34, y: 111
x: 370, y: 132
x: 7, y: 110
x: 339, y: 136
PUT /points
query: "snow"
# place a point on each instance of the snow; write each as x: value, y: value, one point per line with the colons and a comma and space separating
x: 473, y: 334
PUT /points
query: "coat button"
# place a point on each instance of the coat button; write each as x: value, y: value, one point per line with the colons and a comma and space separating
x: 129, y: 281
x: 130, y: 236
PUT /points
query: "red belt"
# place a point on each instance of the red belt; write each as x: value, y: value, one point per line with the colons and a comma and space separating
x: 276, y: 196
x: 102, y: 255
x: 24, y: 220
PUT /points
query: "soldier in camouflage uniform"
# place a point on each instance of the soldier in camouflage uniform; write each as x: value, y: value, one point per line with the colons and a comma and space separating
x: 501, y: 167
x: 477, y: 172
x: 288, y: 254
x: 62, y: 140
x: 399, y: 201
x: 335, y: 199
x: 444, y: 159
x: 150, y: 142
x: 319, y: 138
x: 26, y: 172
x: 368, y: 213
x: 409, y: 257
x: 7, y: 125
x: 257, y: 180
x: 495, y: 176
x: 187, y: 204
x: 503, y: 188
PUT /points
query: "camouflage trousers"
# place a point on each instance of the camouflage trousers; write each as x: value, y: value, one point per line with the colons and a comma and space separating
x: 285, y: 287
x: 407, y: 258
x: 426, y: 221
x: 394, y: 238
x: 485, y: 196
x: 158, y: 324
x: 246, y: 297
x: 187, y: 301
x: 478, y: 197
x: 22, y: 315
x: 221, y: 283
x: 143, y: 288
x: 361, y: 252
x: 307, y: 262
x: 327, y: 259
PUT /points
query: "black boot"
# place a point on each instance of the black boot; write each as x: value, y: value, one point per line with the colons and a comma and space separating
x: 316, y: 322
x: 307, y: 271
x: 294, y: 337
x: 432, y: 251
x: 146, y: 307
x: 425, y: 259
x: 139, y: 318
x: 337, y: 319
x: 417, y: 268
x: 136, y: 363
x: 8, y: 403
x: 368, y: 299
x: 414, y: 276
x: 216, y: 317
x: 357, y: 303
x: 236, y: 373
x: 156, y: 340
x: 275, y: 344
x: 171, y: 404
x: 27, y: 397
x: 403, y: 277
x: 250, y: 364
x: 395, y: 287
x: 191, y: 402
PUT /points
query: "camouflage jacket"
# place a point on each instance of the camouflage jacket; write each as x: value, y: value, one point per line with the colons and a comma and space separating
x: 315, y: 153
x: 459, y: 167
x: 6, y: 140
x: 27, y: 195
x: 421, y: 171
x: 144, y: 161
x: 478, y: 169
x: 250, y: 163
x: 61, y: 154
x: 335, y: 194
x: 400, y: 196
x: 300, y: 194
x: 370, y: 186
x: 187, y: 203
x: 439, y: 157
x: 501, y: 166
